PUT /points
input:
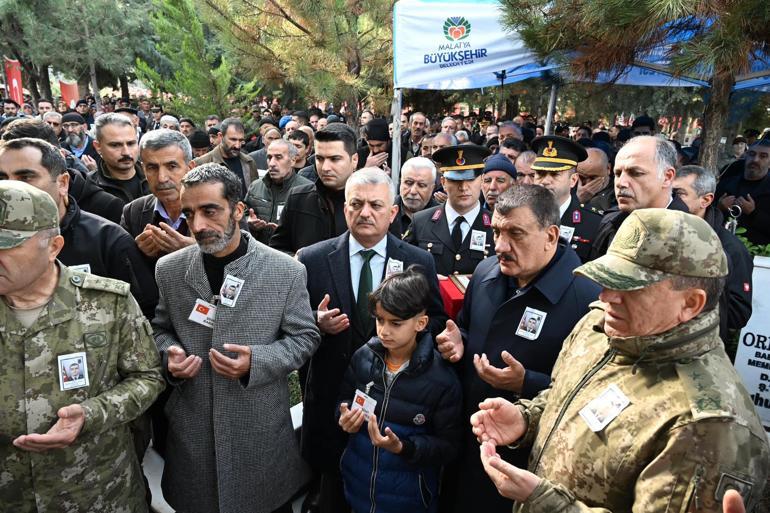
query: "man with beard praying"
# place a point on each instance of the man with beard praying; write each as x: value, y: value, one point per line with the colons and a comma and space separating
x: 231, y: 446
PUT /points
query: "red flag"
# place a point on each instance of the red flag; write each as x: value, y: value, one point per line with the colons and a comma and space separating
x: 69, y: 93
x: 202, y: 309
x: 13, y: 88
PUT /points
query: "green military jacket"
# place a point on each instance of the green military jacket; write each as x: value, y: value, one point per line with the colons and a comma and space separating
x: 689, y: 433
x: 99, y: 472
x: 268, y: 198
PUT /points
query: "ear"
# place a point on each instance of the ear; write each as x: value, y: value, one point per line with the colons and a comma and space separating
x: 707, y: 199
x: 443, y: 181
x: 694, y: 301
x: 668, y: 177
x: 63, y: 184
x: 191, y: 164
x: 573, y: 179
x: 354, y: 159
x: 422, y: 322
x: 240, y: 208
x: 54, y: 248
x: 393, y: 212
x: 552, y: 239
x: 97, y: 146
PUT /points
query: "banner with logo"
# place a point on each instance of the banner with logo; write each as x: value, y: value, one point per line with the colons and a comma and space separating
x: 69, y: 93
x: 753, y: 358
x: 13, y: 87
x: 462, y: 45
x: 454, y: 45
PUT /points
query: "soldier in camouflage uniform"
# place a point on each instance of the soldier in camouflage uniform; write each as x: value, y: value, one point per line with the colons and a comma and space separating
x: 65, y: 444
x: 645, y: 411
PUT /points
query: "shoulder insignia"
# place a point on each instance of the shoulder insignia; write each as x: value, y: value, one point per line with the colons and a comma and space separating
x: 730, y: 482
x: 94, y: 282
x: 437, y: 215
x: 706, y: 398
x: 486, y: 219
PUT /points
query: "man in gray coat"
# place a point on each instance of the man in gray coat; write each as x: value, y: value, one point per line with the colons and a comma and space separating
x: 233, y: 321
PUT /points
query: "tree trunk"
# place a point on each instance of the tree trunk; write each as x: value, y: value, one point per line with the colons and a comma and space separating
x: 83, y: 80
x: 45, y: 82
x: 124, y: 86
x: 512, y: 106
x: 32, y: 86
x: 714, y: 118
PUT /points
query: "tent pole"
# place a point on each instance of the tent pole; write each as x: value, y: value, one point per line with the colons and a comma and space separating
x: 395, y: 172
x: 551, y: 110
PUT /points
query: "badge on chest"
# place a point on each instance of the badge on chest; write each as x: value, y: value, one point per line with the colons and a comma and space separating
x: 203, y: 313
x: 531, y: 323
x: 599, y: 412
x: 73, y: 371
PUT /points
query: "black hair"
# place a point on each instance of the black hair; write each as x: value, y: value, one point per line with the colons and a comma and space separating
x: 30, y: 127
x: 299, y: 135
x: 403, y: 294
x: 216, y: 173
x: 50, y: 157
x: 514, y: 144
x: 339, y: 132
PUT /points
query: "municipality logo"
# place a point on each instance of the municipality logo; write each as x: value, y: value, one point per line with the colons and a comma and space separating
x: 456, y: 29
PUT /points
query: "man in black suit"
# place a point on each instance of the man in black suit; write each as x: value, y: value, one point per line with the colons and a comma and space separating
x: 341, y: 272
x: 156, y: 220
x: 555, y: 169
x: 458, y: 233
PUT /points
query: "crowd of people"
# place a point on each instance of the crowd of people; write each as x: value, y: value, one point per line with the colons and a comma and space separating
x: 163, y: 276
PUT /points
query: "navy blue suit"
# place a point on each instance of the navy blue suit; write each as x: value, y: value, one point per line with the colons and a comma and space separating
x: 328, y: 272
x: 491, y: 314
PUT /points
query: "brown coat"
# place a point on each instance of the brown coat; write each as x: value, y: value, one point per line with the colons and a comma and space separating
x: 247, y: 163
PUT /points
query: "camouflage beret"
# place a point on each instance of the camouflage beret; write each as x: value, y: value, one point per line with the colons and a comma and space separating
x: 24, y: 211
x: 655, y: 244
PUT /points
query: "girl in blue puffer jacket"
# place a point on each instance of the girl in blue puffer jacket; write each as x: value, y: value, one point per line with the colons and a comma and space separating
x: 393, y: 464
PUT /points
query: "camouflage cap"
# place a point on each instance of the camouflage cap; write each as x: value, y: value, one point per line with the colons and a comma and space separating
x: 654, y: 244
x: 24, y: 211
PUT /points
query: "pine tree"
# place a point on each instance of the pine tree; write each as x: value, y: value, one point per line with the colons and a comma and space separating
x: 715, y: 39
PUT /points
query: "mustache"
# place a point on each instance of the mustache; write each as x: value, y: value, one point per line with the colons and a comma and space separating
x: 126, y: 158
x: 505, y: 257
x: 166, y: 186
x: 207, y: 234
x: 624, y: 194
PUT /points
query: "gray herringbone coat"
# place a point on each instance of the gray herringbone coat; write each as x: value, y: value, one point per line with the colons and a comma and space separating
x: 231, y: 448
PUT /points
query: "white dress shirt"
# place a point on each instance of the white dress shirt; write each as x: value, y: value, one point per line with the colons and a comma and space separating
x: 376, y: 263
x: 470, y: 218
x: 564, y: 206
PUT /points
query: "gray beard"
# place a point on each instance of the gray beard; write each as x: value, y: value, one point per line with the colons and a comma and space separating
x: 74, y: 140
x: 218, y: 242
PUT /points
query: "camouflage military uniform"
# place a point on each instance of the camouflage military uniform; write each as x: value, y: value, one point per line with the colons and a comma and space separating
x: 99, y: 472
x: 690, y: 431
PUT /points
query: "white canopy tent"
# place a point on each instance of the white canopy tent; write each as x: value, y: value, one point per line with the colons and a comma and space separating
x: 449, y: 44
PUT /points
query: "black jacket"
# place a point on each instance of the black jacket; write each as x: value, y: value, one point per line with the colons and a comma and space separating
x: 328, y: 272
x: 491, y: 321
x: 583, y: 221
x: 92, y: 198
x: 429, y: 230
x: 422, y: 406
x: 109, y: 251
x: 401, y: 223
x: 612, y: 220
x: 309, y: 216
x: 735, y: 301
x: 112, y: 186
x: 138, y: 214
x: 757, y: 224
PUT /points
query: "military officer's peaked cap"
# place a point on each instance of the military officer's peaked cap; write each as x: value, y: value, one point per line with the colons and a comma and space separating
x: 556, y: 153
x: 464, y: 162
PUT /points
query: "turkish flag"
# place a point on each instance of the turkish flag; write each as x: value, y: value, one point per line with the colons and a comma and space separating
x: 13, y: 81
x: 202, y: 309
x: 69, y: 93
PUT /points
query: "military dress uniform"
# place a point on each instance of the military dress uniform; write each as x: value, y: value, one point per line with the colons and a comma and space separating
x: 579, y: 223
x: 579, y: 226
x: 430, y: 231
x: 430, y: 227
x: 97, y: 324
